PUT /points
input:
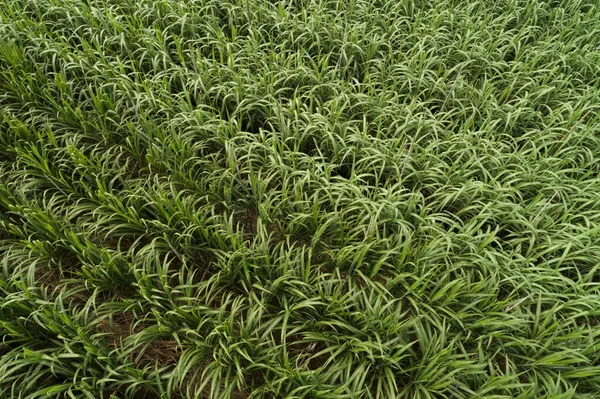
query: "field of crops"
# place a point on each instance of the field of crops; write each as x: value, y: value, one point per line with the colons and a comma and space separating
x: 299, y: 199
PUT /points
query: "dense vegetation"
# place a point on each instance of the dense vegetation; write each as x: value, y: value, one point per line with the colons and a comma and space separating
x: 299, y: 199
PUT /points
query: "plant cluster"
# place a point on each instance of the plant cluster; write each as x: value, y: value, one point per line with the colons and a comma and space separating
x: 299, y: 199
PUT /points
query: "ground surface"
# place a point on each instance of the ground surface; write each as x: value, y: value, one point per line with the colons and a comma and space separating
x: 299, y: 199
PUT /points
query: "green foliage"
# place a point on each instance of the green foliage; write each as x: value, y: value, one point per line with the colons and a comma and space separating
x: 299, y: 199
